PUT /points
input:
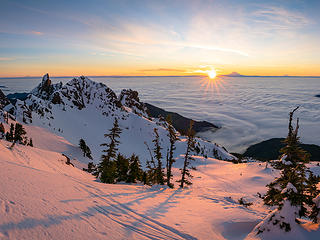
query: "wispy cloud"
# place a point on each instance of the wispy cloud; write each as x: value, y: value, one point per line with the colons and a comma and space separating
x: 278, y: 18
x: 6, y: 59
x: 162, y: 70
x: 36, y: 33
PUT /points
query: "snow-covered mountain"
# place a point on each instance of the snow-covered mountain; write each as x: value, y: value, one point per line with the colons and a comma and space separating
x: 85, y: 109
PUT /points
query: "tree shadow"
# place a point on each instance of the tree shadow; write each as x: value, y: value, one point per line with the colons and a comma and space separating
x: 147, y: 227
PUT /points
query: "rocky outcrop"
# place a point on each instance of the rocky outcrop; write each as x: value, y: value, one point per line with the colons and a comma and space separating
x: 45, y: 89
x: 130, y: 98
x: 3, y: 100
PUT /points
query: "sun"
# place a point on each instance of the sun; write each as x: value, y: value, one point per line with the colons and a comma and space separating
x: 212, y: 73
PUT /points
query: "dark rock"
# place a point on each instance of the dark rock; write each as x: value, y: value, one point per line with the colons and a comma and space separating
x: 269, y: 150
x: 318, y: 95
x: 3, y: 100
x: 130, y: 98
x: 179, y: 122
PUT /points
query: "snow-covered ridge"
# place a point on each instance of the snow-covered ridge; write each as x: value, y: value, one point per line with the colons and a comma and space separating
x: 86, y: 109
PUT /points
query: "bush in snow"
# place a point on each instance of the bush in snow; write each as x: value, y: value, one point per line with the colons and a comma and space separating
x: 293, y: 192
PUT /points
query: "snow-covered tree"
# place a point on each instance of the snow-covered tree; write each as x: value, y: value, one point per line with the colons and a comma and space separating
x: 107, y: 167
x: 293, y: 192
x: 185, y: 171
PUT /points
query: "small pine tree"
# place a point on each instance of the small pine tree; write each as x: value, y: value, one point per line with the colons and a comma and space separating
x: 185, y: 171
x: 10, y: 134
x: 135, y: 172
x: 88, y: 153
x: 122, y: 164
x: 85, y: 149
x: 158, y: 156
x: 107, y: 167
x: 82, y: 145
x: 2, y: 130
x: 170, y: 160
x: 151, y: 166
x: 293, y: 192
x: 19, y: 133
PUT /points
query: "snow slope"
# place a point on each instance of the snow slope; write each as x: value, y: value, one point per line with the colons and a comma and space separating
x: 43, y: 198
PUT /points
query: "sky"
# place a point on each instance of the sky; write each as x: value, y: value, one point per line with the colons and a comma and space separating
x: 167, y: 37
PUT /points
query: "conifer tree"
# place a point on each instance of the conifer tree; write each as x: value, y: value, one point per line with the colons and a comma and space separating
x: 158, y: 156
x: 85, y: 149
x: 82, y: 145
x: 107, y: 167
x: 135, y: 172
x: 170, y: 160
x: 122, y: 164
x: 10, y: 134
x: 185, y: 171
x: 2, y: 130
x: 151, y: 166
x: 293, y: 192
x: 19, y: 133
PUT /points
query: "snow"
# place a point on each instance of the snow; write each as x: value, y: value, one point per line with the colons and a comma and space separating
x: 289, y: 187
x: 43, y: 198
x: 284, y: 161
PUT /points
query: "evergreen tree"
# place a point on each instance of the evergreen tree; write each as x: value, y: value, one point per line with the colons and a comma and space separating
x: 19, y: 133
x: 158, y: 156
x: 91, y: 168
x: 85, y: 149
x: 185, y: 171
x: 82, y: 145
x: 2, y: 130
x: 293, y: 192
x: 10, y: 134
x: 152, y: 168
x: 144, y: 178
x: 107, y: 167
x: 170, y: 160
x: 122, y: 164
x: 135, y: 172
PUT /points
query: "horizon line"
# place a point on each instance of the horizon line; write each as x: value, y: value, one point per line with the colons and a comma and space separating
x: 144, y: 76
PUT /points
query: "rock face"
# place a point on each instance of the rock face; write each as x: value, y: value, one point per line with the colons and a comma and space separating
x: 3, y: 100
x: 179, y: 122
x: 269, y: 150
x: 45, y: 89
x: 130, y: 99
